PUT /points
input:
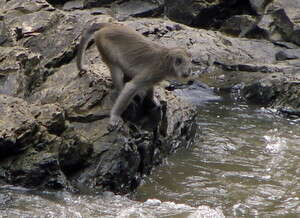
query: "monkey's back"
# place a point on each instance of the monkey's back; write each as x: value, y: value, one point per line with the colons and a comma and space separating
x: 127, y: 48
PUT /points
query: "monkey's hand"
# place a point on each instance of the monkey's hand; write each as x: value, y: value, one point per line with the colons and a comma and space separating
x: 115, y: 123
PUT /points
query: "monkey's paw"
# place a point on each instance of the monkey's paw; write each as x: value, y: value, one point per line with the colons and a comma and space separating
x: 115, y: 123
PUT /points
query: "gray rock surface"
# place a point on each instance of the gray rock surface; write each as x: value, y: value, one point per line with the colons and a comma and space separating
x: 53, y: 129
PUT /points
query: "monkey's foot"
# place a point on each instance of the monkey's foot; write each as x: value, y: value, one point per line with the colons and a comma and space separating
x: 115, y: 123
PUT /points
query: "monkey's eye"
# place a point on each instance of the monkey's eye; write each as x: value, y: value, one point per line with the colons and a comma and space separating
x: 178, y: 61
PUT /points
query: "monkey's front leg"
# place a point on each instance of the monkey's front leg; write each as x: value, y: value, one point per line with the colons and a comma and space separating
x: 122, y: 102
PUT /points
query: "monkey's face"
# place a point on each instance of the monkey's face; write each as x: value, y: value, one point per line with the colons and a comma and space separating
x: 182, y: 63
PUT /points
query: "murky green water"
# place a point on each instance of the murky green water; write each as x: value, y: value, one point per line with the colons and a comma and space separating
x: 247, y: 163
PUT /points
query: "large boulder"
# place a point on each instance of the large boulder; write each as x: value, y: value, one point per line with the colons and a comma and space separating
x: 54, y: 129
x: 207, y: 13
x: 18, y: 128
x: 27, y: 150
x: 281, y: 21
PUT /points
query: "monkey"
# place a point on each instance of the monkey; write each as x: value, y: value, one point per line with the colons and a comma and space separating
x: 129, y: 54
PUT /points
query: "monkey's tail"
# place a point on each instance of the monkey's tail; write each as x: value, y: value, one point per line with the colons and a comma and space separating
x: 85, y: 39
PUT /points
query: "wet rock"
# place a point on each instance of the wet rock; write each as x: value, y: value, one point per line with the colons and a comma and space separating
x: 34, y: 169
x: 194, y: 92
x: 5, y: 199
x: 277, y: 90
x: 74, y: 154
x: 288, y: 54
x: 261, y: 92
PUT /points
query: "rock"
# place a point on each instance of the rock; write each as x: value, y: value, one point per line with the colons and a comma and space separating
x: 65, y: 142
x: 96, y: 3
x: 259, y: 5
x: 288, y: 55
x: 56, y: 134
x: 5, y: 38
x: 34, y: 170
x: 273, y: 20
x: 238, y: 25
x: 26, y: 149
x: 138, y: 8
x: 261, y: 92
x: 74, y: 154
x: 206, y: 14
x: 72, y: 5
x: 57, y: 2
x: 195, y: 92
x: 276, y: 90
x: 17, y: 71
x: 123, y: 10
x: 18, y: 128
x: 51, y: 116
x: 280, y: 21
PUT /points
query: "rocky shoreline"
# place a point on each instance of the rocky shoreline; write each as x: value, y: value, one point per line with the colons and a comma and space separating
x: 53, y: 123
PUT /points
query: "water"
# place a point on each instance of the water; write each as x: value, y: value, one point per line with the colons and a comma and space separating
x: 248, y: 163
x: 245, y: 164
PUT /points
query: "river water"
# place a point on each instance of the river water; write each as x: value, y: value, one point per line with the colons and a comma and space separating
x: 246, y: 163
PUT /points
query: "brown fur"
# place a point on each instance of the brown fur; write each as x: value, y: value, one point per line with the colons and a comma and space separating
x: 128, y: 53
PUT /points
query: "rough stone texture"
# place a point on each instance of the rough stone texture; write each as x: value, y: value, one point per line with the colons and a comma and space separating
x: 53, y: 129
x: 73, y: 5
x: 285, y: 20
x: 207, y: 13
x: 18, y: 129
x: 96, y: 3
x: 121, y: 10
x: 259, y: 5
x: 26, y: 148
x: 274, y: 20
x: 238, y: 25
x: 227, y: 63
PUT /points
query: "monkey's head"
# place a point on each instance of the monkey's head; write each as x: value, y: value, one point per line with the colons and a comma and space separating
x: 181, y: 62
